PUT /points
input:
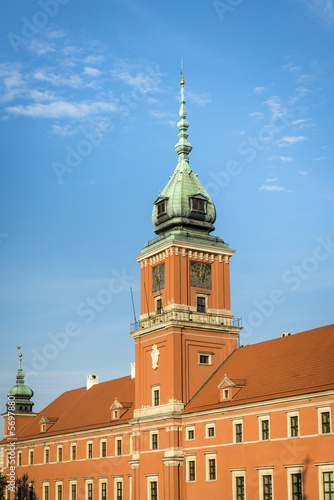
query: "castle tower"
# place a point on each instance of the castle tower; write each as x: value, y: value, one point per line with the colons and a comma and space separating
x: 186, y: 327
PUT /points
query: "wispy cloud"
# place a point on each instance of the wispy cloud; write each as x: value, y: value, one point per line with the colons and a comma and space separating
x: 93, y: 72
x: 290, y: 140
x: 322, y: 10
x: 307, y: 122
x: 259, y: 90
x: 257, y: 115
x: 62, y: 109
x: 199, y: 99
x: 302, y: 172
x: 319, y: 158
x: 272, y: 180
x: 63, y: 131
x: 144, y: 79
x: 265, y: 187
x: 282, y: 158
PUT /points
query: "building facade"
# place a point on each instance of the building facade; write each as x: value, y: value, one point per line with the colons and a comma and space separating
x: 200, y: 416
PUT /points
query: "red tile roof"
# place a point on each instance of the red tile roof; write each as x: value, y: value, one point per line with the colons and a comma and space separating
x: 83, y: 409
x: 288, y: 366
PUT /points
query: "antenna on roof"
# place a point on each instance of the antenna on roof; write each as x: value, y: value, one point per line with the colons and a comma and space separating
x: 133, y: 305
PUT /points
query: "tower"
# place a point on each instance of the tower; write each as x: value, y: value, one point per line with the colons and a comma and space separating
x: 186, y: 327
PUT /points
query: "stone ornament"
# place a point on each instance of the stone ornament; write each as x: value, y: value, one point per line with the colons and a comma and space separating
x: 155, y: 353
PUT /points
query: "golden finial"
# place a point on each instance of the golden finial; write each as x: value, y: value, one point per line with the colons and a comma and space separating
x: 182, y: 81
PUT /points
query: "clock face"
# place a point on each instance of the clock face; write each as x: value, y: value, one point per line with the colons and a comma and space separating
x: 158, y: 277
x: 200, y: 274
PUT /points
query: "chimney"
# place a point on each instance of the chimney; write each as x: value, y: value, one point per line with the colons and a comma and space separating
x: 92, y: 380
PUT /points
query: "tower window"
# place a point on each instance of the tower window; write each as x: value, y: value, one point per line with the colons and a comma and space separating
x: 198, y: 205
x: 159, y: 306
x: 155, y: 396
x: 205, y: 358
x: 201, y: 304
x: 161, y: 207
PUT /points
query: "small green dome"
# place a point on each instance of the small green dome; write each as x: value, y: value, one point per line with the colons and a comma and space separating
x: 21, y: 393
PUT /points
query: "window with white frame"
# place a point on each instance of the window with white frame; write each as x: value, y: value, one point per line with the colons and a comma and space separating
x: 158, y: 304
x: 155, y: 395
x: 210, y: 430
x: 238, y: 484
x: 46, y: 455
x: 59, y: 453
x: 59, y: 491
x: 211, y: 466
x: 73, y: 451
x: 237, y: 431
x: 118, y: 488
x: 324, y: 419
x: 204, y: 358
x: 118, y: 446
x: 295, y: 483
x: 19, y: 458
x: 89, y: 450
x: 191, y: 468
x: 293, y: 424
x: 46, y: 491
x: 103, y: 487
x: 266, y: 483
x: 103, y: 448
x: 73, y: 490
x: 190, y: 433
x: 326, y: 480
x: 152, y: 487
x: 154, y: 440
x: 89, y: 489
x: 264, y: 428
x: 31, y: 457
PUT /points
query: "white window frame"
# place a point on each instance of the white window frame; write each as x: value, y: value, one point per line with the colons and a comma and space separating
x: 60, y: 447
x: 190, y: 428
x: 293, y: 469
x: 205, y: 353
x: 70, y: 483
x: 150, y: 479
x: 210, y: 425
x: 130, y: 486
x: 156, y: 299
x: 131, y: 443
x: 59, y: 483
x: 87, y: 482
x: 31, y: 450
x: 262, y: 418
x: 71, y: 451
x: 45, y: 483
x: 19, y: 454
x: 289, y: 415
x: 155, y: 388
x: 323, y: 467
x: 118, y: 479
x: 265, y: 471
x: 324, y: 409
x: 205, y: 296
x: 102, y: 480
x: 235, y: 423
x: 238, y: 473
x: 101, y: 447
x: 210, y: 456
x: 87, y: 449
x: 117, y: 439
x: 154, y: 432
x: 46, y: 449
x: 190, y: 458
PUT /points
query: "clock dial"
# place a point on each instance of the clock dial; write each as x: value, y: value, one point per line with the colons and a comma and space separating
x: 200, y: 274
x: 158, y: 277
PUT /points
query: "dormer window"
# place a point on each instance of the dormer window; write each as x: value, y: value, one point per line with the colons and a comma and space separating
x: 198, y: 205
x: 161, y: 207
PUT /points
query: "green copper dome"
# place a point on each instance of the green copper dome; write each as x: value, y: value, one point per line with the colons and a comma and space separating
x: 20, y: 392
x: 184, y: 203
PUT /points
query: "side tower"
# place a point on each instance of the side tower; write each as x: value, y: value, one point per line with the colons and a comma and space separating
x: 186, y: 327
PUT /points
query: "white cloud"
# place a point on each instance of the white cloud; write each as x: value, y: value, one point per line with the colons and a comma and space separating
x: 93, y: 59
x: 272, y: 180
x: 199, y: 99
x: 92, y: 72
x: 264, y: 187
x: 319, y: 158
x: 290, y: 140
x: 303, y: 123
x: 257, y: 115
x: 259, y: 90
x: 63, y: 131
x: 282, y: 158
x: 57, y: 80
x: 302, y: 172
x: 62, y: 109
x: 322, y: 10
x: 276, y: 106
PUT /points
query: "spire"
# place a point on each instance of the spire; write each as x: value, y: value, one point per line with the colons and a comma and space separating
x: 183, y: 205
x: 20, y: 392
x: 183, y: 147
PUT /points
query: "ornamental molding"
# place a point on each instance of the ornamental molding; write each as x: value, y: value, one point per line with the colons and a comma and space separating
x: 155, y: 353
x: 184, y: 252
x: 179, y: 247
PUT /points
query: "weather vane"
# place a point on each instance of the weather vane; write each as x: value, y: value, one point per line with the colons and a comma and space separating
x: 182, y: 81
x: 19, y: 348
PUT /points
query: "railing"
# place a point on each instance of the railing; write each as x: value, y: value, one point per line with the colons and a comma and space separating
x: 180, y: 315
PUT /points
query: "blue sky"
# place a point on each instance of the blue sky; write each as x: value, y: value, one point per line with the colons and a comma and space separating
x: 89, y: 97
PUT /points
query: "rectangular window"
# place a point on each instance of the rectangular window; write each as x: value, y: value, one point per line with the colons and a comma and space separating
x: 159, y: 306
x: 74, y: 452
x: 201, y: 304
x: 240, y: 487
x: 191, y: 470
x: 161, y: 207
x: 267, y: 487
x: 119, y: 447
x: 103, y: 491
x: 90, y: 450
x: 46, y: 455
x: 328, y: 485
x: 73, y: 491
x: 325, y: 422
x: 156, y: 397
x: 296, y: 485
x: 60, y: 492
x: 103, y: 449
x: 265, y: 430
x: 46, y: 492
x: 119, y: 490
x: 60, y: 454
x: 198, y: 205
x: 19, y: 458
x: 154, y: 441
x: 31, y: 457
x: 212, y: 469
x: 211, y: 431
x: 204, y: 359
x: 154, y: 490
x: 89, y: 491
x: 294, y: 431
x: 190, y: 434
x: 238, y: 433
